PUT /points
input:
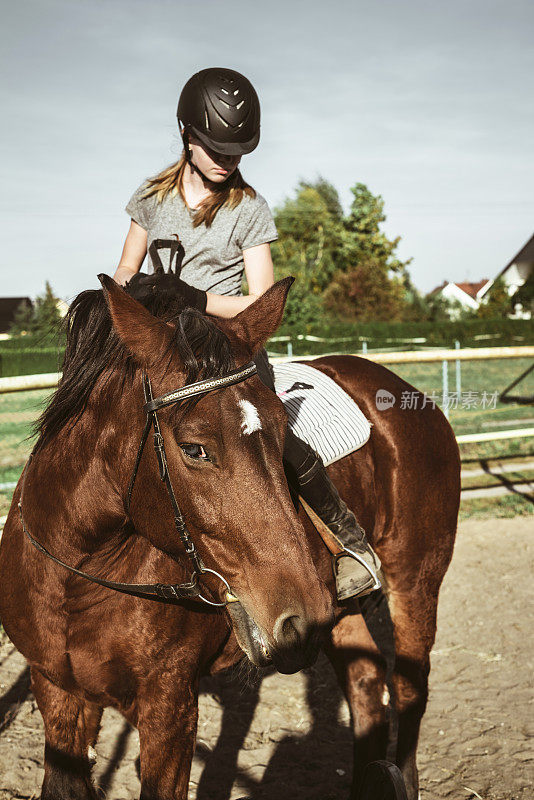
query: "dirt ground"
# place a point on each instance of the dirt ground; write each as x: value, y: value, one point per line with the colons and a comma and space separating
x: 289, y: 737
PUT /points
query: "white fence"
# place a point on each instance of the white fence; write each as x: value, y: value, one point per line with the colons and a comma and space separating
x: 50, y: 380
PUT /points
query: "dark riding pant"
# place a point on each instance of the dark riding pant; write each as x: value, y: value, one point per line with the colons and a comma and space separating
x: 302, y: 458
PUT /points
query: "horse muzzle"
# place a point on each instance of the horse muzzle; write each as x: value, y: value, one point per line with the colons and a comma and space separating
x: 293, y: 645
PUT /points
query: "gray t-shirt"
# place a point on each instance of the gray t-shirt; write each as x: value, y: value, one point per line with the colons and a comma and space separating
x: 213, y: 258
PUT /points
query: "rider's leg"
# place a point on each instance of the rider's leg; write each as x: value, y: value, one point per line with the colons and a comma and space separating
x: 352, y: 577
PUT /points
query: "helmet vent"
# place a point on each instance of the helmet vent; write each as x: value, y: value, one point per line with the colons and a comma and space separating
x: 207, y: 120
x: 225, y: 103
x: 221, y: 118
x: 236, y: 92
x: 240, y: 104
x: 225, y: 90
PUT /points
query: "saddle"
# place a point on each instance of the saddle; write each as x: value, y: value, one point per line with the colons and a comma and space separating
x: 320, y: 412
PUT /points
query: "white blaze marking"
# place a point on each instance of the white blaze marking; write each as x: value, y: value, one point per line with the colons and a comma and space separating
x: 250, y: 418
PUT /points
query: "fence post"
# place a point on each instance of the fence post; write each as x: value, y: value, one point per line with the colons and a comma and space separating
x: 364, y: 347
x: 458, y: 372
x: 445, y: 386
x: 290, y: 349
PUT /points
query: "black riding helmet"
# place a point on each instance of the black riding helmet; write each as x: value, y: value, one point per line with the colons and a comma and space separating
x: 221, y: 108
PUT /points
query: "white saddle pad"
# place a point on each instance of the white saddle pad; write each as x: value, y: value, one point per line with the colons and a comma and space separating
x: 320, y: 411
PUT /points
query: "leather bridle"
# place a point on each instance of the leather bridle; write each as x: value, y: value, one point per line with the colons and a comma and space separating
x: 160, y: 591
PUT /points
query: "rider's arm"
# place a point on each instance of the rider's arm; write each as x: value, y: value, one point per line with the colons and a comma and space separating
x: 133, y: 254
x: 260, y: 276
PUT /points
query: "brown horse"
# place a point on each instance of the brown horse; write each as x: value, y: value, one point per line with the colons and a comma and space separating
x: 90, y: 647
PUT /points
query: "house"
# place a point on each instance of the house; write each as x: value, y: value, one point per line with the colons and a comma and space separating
x: 8, y: 308
x: 464, y: 295
x: 516, y: 272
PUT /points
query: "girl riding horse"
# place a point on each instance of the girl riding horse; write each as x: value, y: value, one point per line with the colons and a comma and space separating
x: 202, y: 215
x: 84, y: 533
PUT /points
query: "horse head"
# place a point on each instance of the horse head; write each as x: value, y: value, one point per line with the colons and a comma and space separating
x: 224, y: 455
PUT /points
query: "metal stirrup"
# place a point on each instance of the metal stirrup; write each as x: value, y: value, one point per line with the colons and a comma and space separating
x: 361, y: 560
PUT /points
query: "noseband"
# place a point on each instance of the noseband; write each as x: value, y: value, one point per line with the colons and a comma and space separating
x: 161, y: 591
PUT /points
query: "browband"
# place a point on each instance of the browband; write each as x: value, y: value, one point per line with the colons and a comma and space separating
x: 201, y: 387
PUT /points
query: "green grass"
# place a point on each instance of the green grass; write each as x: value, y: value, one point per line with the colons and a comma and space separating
x: 509, y: 505
x: 29, y: 361
x: 487, y: 479
x: 18, y: 412
x: 15, y: 402
x: 477, y: 377
x: 503, y: 448
x: 5, y: 502
x: 19, y: 409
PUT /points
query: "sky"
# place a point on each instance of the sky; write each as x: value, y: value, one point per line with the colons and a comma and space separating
x: 428, y: 103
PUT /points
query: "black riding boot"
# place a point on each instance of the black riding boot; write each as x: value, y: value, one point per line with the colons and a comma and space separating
x: 356, y: 567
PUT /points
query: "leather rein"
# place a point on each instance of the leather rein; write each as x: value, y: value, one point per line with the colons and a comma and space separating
x: 160, y: 591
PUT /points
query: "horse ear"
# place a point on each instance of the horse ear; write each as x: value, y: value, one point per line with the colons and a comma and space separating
x: 260, y: 319
x: 147, y: 338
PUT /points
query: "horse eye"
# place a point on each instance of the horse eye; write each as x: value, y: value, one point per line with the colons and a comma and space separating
x: 194, y: 451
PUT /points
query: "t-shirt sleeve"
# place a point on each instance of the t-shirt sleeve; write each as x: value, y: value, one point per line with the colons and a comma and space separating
x: 140, y: 208
x: 258, y: 226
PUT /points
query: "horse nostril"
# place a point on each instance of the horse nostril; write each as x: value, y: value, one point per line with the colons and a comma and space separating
x: 289, y: 630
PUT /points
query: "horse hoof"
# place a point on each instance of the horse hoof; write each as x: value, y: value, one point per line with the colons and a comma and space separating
x: 382, y: 780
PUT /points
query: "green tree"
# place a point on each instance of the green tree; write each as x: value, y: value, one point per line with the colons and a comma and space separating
x: 329, y: 253
x: 43, y: 320
x: 371, y: 282
x: 438, y: 308
x: 47, y: 316
x: 365, y: 237
x: 415, y: 307
x: 329, y: 193
x: 525, y: 294
x: 358, y: 295
x: 23, y: 320
x: 497, y: 302
x: 309, y: 246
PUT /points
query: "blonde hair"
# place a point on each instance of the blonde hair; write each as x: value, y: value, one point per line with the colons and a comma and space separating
x: 229, y: 193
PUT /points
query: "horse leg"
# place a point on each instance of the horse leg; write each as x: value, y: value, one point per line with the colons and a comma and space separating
x: 361, y: 672
x: 167, y: 724
x: 414, y: 619
x: 71, y: 728
x: 362, y: 675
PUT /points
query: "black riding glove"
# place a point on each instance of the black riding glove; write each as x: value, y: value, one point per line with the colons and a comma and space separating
x: 145, y: 288
x: 194, y: 298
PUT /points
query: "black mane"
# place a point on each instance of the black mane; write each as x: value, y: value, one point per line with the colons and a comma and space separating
x: 93, y: 347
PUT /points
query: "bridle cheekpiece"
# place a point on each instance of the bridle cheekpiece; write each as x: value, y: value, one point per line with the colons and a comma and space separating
x: 159, y: 591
